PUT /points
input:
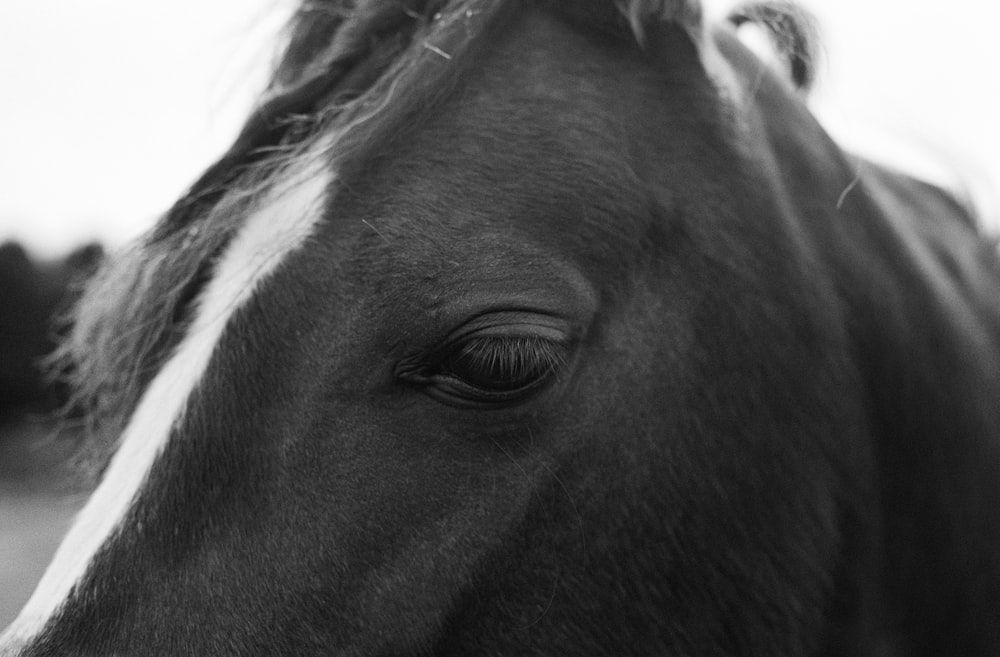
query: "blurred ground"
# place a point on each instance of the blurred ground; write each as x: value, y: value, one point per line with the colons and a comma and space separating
x: 36, y: 505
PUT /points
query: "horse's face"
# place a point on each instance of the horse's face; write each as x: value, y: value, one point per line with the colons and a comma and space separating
x: 540, y: 374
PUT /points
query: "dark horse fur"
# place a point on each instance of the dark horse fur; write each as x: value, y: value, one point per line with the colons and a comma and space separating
x: 600, y: 346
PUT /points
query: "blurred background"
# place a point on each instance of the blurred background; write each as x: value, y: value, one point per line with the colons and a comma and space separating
x: 111, y: 107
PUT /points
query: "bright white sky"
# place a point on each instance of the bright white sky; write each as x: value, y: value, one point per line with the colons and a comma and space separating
x: 111, y: 107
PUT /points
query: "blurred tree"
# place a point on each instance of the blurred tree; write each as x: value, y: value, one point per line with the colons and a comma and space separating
x: 32, y: 296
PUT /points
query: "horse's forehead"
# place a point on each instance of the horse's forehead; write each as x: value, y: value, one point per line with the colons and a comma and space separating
x: 530, y: 157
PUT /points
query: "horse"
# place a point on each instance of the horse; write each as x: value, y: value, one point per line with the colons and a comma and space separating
x: 537, y: 327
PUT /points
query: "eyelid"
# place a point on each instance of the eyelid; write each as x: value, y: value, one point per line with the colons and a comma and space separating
x: 412, y: 366
x: 511, y: 324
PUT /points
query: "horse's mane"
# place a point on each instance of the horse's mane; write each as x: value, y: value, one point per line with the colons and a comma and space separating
x: 341, y: 62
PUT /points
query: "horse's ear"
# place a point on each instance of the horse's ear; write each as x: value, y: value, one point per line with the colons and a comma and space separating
x: 791, y: 31
x: 641, y: 14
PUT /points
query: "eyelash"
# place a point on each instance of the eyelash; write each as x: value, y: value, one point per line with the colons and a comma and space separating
x: 512, y: 362
x: 487, y: 370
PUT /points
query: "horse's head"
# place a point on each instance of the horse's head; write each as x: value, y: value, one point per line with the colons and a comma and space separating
x: 502, y: 329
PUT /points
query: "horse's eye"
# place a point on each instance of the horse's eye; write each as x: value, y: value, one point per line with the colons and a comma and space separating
x: 490, y: 369
x: 500, y: 364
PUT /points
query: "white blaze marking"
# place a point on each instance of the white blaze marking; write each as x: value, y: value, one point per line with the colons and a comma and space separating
x: 285, y: 221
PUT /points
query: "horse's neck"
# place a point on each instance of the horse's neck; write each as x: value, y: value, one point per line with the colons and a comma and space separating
x: 927, y: 331
x: 920, y: 297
